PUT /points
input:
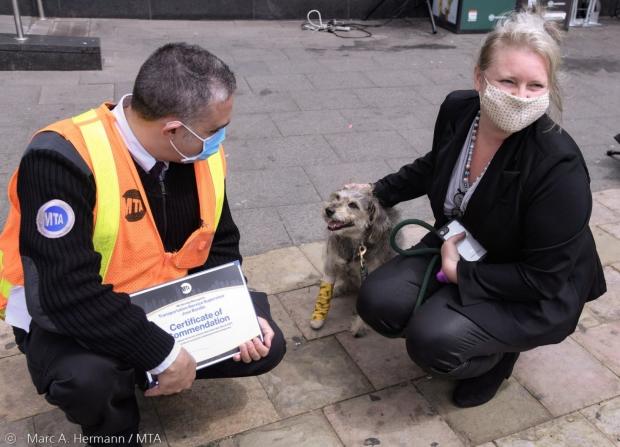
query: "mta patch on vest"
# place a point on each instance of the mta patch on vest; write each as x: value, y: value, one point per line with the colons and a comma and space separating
x: 55, y: 219
x: 134, y: 206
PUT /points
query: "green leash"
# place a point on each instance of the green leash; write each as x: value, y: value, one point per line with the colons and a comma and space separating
x: 417, y: 252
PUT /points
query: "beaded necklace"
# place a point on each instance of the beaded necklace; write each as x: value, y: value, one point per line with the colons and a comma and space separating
x: 470, y: 152
x: 464, y: 186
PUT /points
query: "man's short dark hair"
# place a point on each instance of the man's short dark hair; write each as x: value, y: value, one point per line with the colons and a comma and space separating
x: 180, y: 79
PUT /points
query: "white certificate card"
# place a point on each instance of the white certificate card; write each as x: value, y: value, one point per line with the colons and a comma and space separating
x: 209, y: 313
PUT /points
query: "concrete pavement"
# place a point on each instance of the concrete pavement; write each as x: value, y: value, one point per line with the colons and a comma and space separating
x: 313, y: 112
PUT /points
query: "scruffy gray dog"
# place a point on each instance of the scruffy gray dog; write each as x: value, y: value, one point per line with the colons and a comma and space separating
x: 358, y: 242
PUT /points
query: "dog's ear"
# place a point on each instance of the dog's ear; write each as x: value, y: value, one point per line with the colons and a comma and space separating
x: 379, y: 223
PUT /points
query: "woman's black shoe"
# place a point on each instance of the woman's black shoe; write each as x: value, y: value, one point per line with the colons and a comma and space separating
x: 479, y: 390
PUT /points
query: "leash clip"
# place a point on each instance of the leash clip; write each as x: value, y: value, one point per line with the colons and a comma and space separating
x: 363, y: 268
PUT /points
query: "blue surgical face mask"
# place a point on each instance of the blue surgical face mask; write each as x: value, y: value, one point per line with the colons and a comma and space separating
x: 209, y: 145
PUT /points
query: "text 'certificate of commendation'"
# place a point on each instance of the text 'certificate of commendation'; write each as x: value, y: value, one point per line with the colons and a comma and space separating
x: 209, y: 313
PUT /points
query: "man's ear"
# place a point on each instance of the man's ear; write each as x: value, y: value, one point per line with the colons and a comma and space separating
x: 170, y: 127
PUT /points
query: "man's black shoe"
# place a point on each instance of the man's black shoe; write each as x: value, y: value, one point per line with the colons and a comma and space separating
x: 479, y: 390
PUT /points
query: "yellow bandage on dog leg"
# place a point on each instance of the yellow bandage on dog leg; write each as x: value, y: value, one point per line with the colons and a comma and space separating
x: 321, y: 306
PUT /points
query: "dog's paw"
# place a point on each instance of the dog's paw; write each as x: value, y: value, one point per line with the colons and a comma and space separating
x: 321, y: 306
x: 358, y: 327
x: 317, y: 324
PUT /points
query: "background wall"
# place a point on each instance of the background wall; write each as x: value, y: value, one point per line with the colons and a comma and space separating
x: 231, y: 9
x: 215, y: 9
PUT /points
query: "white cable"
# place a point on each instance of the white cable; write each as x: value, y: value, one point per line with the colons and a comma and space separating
x: 313, y: 25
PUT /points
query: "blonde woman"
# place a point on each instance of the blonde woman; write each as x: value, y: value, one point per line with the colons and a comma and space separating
x: 518, y: 183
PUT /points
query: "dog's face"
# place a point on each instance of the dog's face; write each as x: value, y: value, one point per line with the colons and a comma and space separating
x: 353, y: 213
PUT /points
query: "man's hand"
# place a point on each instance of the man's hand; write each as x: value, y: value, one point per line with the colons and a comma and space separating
x: 450, y: 257
x: 177, y: 377
x: 255, y: 349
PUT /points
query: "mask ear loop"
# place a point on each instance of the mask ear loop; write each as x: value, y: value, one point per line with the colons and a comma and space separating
x: 185, y: 158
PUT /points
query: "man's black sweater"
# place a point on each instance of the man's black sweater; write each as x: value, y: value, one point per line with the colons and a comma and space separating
x: 64, y: 272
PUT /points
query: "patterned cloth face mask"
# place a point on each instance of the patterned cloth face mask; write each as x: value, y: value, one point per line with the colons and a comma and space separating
x: 512, y: 113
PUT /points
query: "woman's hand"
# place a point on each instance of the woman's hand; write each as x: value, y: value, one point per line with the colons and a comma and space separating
x: 359, y: 186
x: 256, y: 349
x: 450, y: 257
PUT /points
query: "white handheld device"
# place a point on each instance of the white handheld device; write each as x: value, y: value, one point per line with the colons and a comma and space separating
x: 469, y: 248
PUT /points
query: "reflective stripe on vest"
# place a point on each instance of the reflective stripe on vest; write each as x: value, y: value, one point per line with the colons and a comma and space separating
x: 5, y: 288
x: 108, y: 195
x: 216, y: 166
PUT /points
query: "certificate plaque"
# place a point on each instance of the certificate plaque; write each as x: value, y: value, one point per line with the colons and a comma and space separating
x: 209, y: 313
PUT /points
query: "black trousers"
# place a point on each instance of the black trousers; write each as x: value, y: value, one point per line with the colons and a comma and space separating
x: 98, y: 392
x: 438, y: 338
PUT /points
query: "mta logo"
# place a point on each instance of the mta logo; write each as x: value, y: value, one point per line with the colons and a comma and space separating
x: 55, y: 218
x: 134, y: 206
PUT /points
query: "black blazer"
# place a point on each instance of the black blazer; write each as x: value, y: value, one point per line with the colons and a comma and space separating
x: 530, y: 211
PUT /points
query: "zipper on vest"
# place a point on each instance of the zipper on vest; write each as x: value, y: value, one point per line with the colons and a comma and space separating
x: 162, y: 186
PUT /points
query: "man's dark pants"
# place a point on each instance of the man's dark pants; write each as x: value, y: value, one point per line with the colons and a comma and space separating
x: 98, y: 392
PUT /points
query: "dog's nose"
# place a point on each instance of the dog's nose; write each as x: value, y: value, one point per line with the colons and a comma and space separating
x: 329, y: 212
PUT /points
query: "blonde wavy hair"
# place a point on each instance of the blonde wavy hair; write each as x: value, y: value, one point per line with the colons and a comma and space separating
x: 528, y: 29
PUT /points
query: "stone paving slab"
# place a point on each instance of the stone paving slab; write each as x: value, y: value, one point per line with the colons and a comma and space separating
x: 316, y: 374
x: 396, y: 78
x: 587, y: 320
x: 606, y: 417
x: 277, y: 237
x: 384, y: 361
x: 421, y: 140
x: 373, y: 118
x: 214, y: 409
x: 304, y: 223
x: 309, y: 122
x: 51, y: 424
x: 612, y: 228
x: 293, y: 336
x: 329, y: 178
x: 606, y: 245
x: 610, y: 198
x: 18, y: 396
x: 567, y: 431
x: 604, y: 343
x: 257, y: 189
x: 607, y: 307
x: 390, y: 97
x: 583, y: 380
x: 366, y: 146
x: 315, y: 253
x: 278, y: 83
x: 255, y: 125
x: 16, y: 434
x: 329, y: 100
x: 334, y: 81
x: 307, y: 430
x: 294, y: 271
x: 265, y: 102
x: 262, y: 154
x: 602, y: 214
x: 397, y: 416
x: 511, y: 410
x: 8, y: 347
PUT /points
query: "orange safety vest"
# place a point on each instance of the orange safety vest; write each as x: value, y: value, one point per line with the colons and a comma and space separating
x: 125, y: 235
